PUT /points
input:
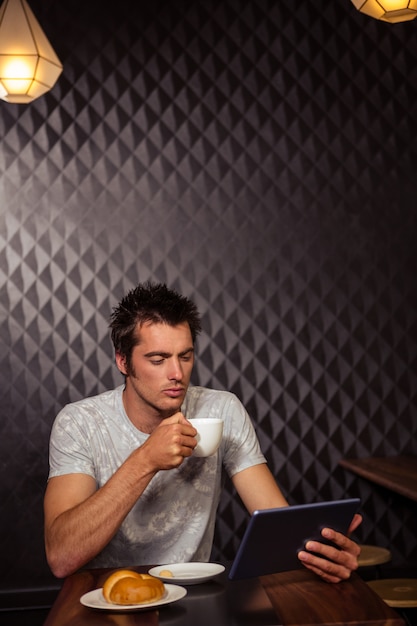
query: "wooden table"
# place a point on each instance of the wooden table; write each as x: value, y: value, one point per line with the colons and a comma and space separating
x: 291, y: 598
x: 397, y: 473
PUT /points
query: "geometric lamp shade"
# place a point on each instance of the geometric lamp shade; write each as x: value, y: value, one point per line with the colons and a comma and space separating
x: 29, y: 66
x: 392, y: 11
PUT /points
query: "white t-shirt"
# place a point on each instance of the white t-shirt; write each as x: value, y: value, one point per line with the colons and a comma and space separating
x: 174, y: 518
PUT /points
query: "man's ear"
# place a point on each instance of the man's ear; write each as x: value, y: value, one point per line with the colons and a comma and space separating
x: 121, y: 363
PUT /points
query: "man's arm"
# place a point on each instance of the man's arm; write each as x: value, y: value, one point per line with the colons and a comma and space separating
x: 80, y: 519
x: 258, y: 490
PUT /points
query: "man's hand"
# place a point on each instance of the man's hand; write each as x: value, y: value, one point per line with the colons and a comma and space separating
x: 170, y: 443
x: 330, y: 563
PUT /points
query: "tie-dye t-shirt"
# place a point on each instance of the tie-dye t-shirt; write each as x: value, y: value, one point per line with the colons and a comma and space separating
x: 174, y: 518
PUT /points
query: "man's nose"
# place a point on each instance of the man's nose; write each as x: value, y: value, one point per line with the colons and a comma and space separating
x: 175, y: 371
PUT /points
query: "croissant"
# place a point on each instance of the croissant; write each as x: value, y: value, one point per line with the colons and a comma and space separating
x: 128, y: 587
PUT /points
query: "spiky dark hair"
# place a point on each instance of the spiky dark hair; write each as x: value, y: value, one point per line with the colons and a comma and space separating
x: 150, y: 302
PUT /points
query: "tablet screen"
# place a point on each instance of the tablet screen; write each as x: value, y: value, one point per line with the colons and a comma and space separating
x: 274, y: 537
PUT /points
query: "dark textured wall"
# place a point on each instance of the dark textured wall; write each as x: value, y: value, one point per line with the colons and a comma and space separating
x: 260, y: 157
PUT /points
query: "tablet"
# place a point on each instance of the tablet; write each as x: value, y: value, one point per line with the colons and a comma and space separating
x: 274, y: 537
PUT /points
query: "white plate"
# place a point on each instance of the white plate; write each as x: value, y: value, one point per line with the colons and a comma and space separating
x: 187, y: 573
x: 95, y: 600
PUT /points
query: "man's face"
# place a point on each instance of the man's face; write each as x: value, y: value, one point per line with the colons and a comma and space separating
x: 160, y: 369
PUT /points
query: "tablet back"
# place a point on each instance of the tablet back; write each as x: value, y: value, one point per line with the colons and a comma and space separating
x: 275, y: 536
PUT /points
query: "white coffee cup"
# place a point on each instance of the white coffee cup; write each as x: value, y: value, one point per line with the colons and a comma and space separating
x: 209, y: 435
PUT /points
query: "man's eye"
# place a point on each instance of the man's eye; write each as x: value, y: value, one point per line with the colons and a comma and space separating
x: 186, y: 357
x: 157, y: 361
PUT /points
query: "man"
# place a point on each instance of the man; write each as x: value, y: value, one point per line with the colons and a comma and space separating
x: 124, y: 487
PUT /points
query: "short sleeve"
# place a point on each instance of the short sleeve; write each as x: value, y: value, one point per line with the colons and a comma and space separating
x: 242, y: 448
x: 68, y: 447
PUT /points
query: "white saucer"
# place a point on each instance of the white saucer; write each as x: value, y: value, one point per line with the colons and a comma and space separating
x: 95, y: 600
x: 187, y: 573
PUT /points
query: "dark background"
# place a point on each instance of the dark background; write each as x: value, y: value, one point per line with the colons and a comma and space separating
x: 260, y: 157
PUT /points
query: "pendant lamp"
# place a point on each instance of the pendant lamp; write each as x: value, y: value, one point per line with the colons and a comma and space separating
x: 29, y: 66
x: 388, y: 10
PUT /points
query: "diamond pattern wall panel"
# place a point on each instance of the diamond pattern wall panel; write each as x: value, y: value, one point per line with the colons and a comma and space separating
x: 259, y: 156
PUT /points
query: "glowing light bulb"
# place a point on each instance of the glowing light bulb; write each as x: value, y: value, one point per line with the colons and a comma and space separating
x: 392, y: 11
x: 29, y: 66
